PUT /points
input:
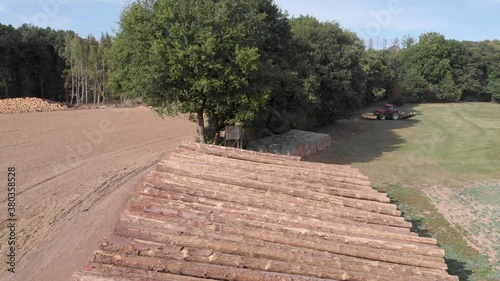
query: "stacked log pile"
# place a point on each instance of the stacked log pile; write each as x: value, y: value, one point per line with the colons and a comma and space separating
x: 28, y: 105
x: 215, y: 213
x: 294, y: 143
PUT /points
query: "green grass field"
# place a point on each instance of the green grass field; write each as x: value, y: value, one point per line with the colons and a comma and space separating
x: 443, y: 170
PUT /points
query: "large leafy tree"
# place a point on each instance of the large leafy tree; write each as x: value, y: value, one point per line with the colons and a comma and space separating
x: 493, y: 69
x: 413, y: 85
x: 465, y: 66
x: 431, y: 58
x: 334, y: 78
x: 493, y: 88
x: 381, y: 69
x: 196, y: 56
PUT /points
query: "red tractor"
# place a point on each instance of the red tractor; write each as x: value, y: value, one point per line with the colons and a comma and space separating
x: 388, y: 111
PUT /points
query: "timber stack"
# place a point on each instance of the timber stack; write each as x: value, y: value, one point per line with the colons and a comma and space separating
x: 216, y: 213
x: 17, y: 105
x: 294, y: 143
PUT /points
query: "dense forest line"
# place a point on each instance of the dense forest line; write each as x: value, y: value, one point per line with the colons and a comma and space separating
x: 53, y: 64
x: 242, y: 61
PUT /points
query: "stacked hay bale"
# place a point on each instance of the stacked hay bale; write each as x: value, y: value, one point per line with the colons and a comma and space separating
x: 294, y: 143
x: 28, y: 105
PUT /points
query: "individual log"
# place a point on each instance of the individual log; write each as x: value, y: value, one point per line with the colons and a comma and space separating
x: 392, y: 218
x: 293, y: 219
x: 232, y: 261
x: 200, y: 270
x: 257, y: 157
x: 340, y: 179
x: 327, y: 169
x: 276, y: 202
x: 283, y: 178
x: 261, y: 249
x: 265, y: 159
x: 332, y: 171
x: 224, y: 151
x: 141, y: 210
x: 292, y: 205
x: 104, y: 272
x: 384, y: 271
x: 246, y: 234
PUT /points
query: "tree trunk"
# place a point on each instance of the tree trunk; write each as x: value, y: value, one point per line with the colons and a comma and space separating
x: 6, y: 85
x: 201, y: 125
x: 77, y: 91
x: 41, y: 86
x: 103, y: 80
x: 82, y: 84
x: 96, y: 78
x: 86, y: 90
x: 72, y: 80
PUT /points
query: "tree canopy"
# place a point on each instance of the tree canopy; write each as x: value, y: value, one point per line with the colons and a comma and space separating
x: 434, y: 68
x: 211, y: 58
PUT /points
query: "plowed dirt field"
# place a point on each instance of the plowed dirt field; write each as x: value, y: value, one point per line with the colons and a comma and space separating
x: 74, y: 173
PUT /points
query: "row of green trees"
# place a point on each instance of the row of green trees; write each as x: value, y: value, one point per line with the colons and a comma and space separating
x: 242, y: 61
x: 435, y: 69
x: 57, y: 65
x: 30, y: 64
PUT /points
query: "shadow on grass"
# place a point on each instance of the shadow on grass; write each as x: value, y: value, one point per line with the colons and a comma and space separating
x: 417, y: 227
x: 359, y: 140
x: 455, y: 267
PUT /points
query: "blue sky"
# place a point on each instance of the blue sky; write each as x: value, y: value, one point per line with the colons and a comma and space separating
x: 382, y: 19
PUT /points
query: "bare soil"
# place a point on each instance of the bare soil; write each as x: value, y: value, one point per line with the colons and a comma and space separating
x: 75, y: 171
x: 476, y: 209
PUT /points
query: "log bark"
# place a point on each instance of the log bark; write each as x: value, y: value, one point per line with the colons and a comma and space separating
x: 266, y: 227
x: 331, y: 168
x: 287, y: 179
x: 273, y: 251
x: 341, y: 227
x: 361, y: 210
x: 200, y: 270
x: 340, y: 177
x: 224, y: 151
x: 104, y: 272
x: 217, y: 253
x: 258, y: 201
x: 249, y: 235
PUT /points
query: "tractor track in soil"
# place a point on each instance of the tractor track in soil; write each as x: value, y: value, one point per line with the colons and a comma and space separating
x: 63, y: 214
